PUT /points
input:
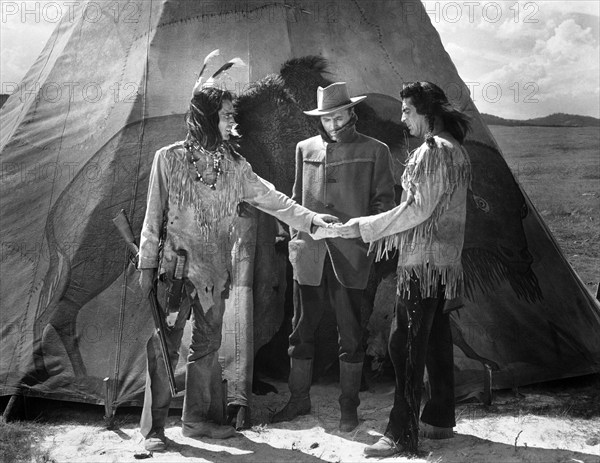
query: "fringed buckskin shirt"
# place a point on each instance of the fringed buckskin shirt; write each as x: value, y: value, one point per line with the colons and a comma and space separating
x: 428, y: 228
x: 201, y: 220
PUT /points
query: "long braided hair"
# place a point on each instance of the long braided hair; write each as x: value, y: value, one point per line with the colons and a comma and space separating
x: 430, y: 101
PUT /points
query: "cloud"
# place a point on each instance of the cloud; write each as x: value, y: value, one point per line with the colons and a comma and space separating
x: 585, y: 7
x: 569, y: 51
x: 570, y: 43
x: 526, y: 59
x: 560, y: 70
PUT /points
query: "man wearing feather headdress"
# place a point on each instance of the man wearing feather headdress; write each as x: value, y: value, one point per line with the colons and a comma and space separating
x: 427, y: 230
x: 348, y: 174
x: 194, y: 190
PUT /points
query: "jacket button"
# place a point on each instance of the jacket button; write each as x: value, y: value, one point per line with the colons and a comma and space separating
x: 329, y: 206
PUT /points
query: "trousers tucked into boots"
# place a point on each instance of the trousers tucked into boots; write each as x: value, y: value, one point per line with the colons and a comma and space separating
x: 350, y: 377
x: 310, y: 303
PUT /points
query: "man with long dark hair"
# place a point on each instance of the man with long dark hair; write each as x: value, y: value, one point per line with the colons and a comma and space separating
x: 427, y: 230
x: 194, y: 190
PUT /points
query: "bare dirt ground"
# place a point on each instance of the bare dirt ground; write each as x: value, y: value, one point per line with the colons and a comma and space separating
x: 553, y: 422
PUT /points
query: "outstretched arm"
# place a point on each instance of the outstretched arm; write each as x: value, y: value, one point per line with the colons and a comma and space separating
x: 423, y: 197
x: 351, y: 229
x: 263, y: 195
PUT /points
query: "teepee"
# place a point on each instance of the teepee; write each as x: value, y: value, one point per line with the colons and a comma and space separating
x: 108, y: 90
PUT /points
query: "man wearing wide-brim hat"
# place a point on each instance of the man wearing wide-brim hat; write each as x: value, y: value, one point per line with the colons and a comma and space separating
x: 347, y: 174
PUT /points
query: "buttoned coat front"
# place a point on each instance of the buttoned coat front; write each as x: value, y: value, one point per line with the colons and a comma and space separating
x: 349, y: 178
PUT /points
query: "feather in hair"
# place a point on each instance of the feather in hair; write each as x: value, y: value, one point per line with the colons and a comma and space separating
x: 198, y: 84
x: 210, y: 56
x: 228, y: 65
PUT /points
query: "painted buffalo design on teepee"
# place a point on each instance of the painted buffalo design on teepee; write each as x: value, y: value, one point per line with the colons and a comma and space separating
x: 109, y: 93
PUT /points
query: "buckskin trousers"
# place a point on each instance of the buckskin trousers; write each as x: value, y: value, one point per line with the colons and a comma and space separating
x: 310, y: 302
x: 430, y: 344
x: 203, y: 400
x: 236, y: 354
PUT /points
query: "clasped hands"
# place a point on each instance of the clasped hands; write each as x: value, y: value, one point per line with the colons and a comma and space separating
x: 350, y: 229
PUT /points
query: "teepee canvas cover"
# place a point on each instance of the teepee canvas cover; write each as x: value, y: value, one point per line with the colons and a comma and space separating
x: 110, y: 88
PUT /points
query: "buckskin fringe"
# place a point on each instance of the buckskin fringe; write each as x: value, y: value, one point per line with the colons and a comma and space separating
x: 458, y: 172
x: 429, y: 278
x: 458, y: 175
x: 210, y: 206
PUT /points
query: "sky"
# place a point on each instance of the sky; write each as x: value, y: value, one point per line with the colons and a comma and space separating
x: 524, y: 59
x: 520, y: 59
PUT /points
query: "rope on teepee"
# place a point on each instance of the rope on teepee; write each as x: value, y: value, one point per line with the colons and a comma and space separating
x: 114, y: 384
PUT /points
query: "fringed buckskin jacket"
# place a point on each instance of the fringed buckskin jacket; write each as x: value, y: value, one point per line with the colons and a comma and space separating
x: 428, y: 228
x: 184, y: 213
x: 349, y: 178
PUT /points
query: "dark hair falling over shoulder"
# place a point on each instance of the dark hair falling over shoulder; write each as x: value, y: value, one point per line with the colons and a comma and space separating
x: 202, y: 119
x: 431, y: 101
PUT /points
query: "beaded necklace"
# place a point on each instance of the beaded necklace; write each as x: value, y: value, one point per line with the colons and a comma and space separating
x: 216, y: 157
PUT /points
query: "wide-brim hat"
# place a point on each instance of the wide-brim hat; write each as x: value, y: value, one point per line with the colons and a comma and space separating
x: 333, y: 98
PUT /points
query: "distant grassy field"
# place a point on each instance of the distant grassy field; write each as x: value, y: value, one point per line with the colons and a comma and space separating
x: 559, y: 169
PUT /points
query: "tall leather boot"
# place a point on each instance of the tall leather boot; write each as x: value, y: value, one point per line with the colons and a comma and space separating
x: 350, y: 377
x: 203, y: 414
x: 299, y: 383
